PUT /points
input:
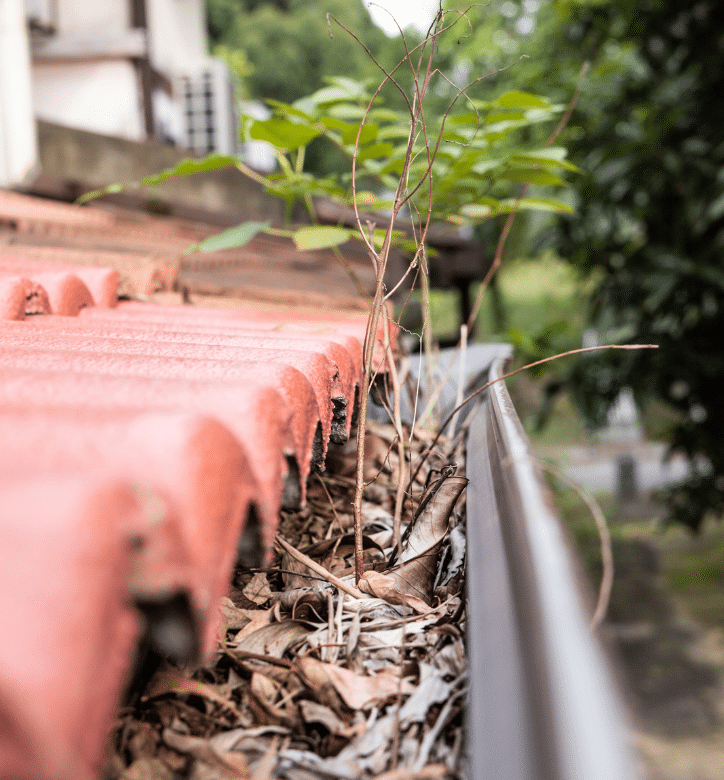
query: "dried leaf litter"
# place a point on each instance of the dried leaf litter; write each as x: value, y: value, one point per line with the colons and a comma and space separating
x: 310, y: 683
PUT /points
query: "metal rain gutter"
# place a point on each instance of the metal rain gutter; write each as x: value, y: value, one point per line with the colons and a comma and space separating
x: 543, y: 705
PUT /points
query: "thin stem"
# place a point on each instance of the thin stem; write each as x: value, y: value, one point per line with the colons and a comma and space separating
x: 317, y: 569
x: 397, y: 422
x: 513, y: 373
x: 604, y: 589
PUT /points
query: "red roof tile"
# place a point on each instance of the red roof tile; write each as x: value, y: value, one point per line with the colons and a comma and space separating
x: 142, y: 436
x: 102, y: 283
x: 68, y: 628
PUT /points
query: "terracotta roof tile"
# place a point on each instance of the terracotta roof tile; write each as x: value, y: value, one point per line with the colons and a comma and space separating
x: 139, y: 438
x: 102, y: 283
x: 68, y: 626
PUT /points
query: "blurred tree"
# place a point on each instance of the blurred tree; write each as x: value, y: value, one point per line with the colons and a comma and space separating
x: 289, y: 46
x: 289, y: 51
x: 652, y: 220
x: 648, y: 131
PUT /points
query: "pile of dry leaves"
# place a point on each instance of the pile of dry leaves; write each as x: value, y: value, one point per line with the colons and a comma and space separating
x: 315, y: 680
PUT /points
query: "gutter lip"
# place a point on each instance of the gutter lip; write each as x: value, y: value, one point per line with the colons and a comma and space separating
x: 542, y: 704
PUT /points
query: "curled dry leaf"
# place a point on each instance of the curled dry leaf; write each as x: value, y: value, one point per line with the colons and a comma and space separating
x: 384, y: 586
x: 169, y: 681
x: 312, y: 712
x: 266, y: 691
x: 275, y: 639
x: 415, y: 575
x: 358, y: 691
x: 258, y: 618
x: 227, y: 766
x: 257, y: 589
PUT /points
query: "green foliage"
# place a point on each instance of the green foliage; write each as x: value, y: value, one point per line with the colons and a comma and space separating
x: 648, y: 131
x: 652, y: 222
x: 479, y: 154
x: 233, y: 237
x: 289, y: 45
x: 186, y: 167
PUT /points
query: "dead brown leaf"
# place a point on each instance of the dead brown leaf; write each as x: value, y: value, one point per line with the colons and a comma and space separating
x: 416, y: 574
x: 147, y: 769
x: 385, y: 586
x: 265, y: 691
x: 169, y: 681
x: 257, y: 619
x: 430, y: 772
x: 312, y: 712
x: 358, y: 691
x: 228, y: 766
x: 258, y: 590
x: 273, y: 639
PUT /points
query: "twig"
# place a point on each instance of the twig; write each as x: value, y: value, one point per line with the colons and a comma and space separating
x: 350, y: 590
x: 461, y: 370
x: 513, y: 373
x: 331, y: 503
x: 604, y: 590
x: 397, y: 422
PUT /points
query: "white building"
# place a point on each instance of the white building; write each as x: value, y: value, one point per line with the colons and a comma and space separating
x: 133, y: 69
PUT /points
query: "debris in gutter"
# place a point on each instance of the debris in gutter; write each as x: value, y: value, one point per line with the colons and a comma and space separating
x: 309, y: 682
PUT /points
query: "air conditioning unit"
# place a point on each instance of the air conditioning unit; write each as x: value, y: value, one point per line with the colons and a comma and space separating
x: 210, y: 116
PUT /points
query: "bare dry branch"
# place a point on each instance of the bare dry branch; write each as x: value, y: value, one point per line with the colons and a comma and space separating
x: 320, y: 570
x: 604, y: 590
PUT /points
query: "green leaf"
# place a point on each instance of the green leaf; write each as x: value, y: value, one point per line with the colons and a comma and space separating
x: 375, y: 151
x: 282, y: 133
x: 367, y: 198
x: 320, y: 237
x: 532, y: 176
x: 515, y: 99
x: 465, y: 119
x: 185, y: 167
x: 489, y: 207
x: 553, y: 157
x: 231, y: 238
x: 347, y: 111
x: 284, y: 109
x: 335, y: 124
x: 502, y: 116
x: 388, y: 115
x: 341, y: 89
x: 368, y: 134
x: 542, y: 204
x: 485, y: 166
x: 394, y: 131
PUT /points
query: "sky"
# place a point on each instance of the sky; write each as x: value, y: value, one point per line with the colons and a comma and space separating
x: 417, y: 12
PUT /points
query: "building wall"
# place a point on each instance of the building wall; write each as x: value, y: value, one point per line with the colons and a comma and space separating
x: 99, y: 96
x: 77, y: 15
x: 18, y: 141
x: 177, y: 35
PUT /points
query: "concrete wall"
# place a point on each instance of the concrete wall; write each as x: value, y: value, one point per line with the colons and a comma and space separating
x: 84, y: 73
x: 76, y: 15
x: 99, y: 96
x: 75, y: 161
x: 18, y: 143
x: 177, y: 35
